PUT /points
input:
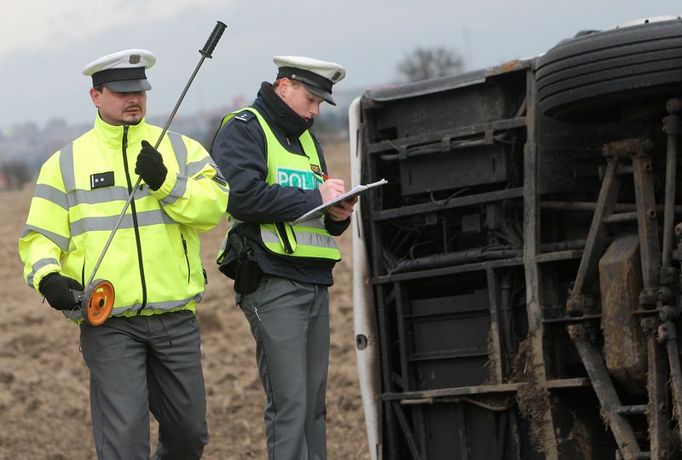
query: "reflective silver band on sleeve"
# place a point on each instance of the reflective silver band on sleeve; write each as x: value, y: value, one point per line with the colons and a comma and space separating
x: 180, y: 150
x: 196, y: 166
x: 37, y: 266
x: 60, y: 241
x: 51, y: 194
x: 178, y: 191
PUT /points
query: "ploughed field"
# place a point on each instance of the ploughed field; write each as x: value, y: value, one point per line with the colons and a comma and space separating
x: 44, y: 404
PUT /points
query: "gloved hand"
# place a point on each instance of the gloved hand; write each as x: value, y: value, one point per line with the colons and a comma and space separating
x: 150, y: 167
x: 56, y: 289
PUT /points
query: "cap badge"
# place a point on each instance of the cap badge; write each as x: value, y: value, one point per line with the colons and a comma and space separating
x: 134, y: 59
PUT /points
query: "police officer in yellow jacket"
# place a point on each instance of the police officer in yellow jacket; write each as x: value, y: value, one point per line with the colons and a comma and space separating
x: 146, y: 357
x: 282, y: 269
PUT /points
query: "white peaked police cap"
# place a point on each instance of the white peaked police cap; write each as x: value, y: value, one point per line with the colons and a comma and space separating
x: 122, y: 71
x: 317, y: 76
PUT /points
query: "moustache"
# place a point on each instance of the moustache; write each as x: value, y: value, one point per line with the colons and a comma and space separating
x: 133, y: 107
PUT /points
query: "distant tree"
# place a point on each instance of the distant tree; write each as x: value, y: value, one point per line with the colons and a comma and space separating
x: 427, y: 63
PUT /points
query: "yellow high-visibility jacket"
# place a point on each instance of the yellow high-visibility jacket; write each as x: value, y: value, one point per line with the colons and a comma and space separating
x: 153, y: 261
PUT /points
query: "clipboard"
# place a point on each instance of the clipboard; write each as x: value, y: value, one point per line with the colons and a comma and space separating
x: 355, y: 191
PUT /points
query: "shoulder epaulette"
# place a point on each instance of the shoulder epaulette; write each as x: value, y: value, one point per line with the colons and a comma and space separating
x: 244, y: 116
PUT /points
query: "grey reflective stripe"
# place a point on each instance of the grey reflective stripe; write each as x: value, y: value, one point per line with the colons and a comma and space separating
x: 161, y: 306
x: 302, y: 238
x: 37, y: 266
x: 173, y: 304
x: 314, y: 222
x: 316, y: 240
x: 66, y: 167
x: 180, y: 150
x: 59, y: 240
x: 51, y: 194
x: 145, y: 218
x: 196, y: 166
x: 178, y: 191
x: 268, y: 236
x: 103, y: 195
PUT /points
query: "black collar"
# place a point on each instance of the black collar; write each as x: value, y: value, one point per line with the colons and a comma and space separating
x: 279, y: 113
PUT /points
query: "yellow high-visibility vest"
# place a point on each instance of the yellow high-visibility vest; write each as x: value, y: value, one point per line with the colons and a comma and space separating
x: 310, y: 238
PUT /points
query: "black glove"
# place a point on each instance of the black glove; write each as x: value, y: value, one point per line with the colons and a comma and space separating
x: 150, y: 166
x: 57, y: 290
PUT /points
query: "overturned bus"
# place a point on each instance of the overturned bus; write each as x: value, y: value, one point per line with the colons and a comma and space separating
x: 517, y: 281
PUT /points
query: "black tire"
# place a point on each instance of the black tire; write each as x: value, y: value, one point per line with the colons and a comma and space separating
x: 597, y: 74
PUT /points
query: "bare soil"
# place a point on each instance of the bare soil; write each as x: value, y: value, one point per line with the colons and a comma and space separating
x: 44, y: 403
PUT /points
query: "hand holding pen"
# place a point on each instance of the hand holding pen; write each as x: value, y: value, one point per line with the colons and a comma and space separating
x: 331, y: 188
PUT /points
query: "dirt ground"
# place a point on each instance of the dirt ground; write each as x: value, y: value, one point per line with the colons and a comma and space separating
x: 44, y: 406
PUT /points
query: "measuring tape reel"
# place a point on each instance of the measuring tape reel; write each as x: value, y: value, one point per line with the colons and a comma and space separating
x: 97, y: 302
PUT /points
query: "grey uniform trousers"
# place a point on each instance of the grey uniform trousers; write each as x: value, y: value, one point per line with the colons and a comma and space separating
x: 142, y: 364
x: 290, y: 322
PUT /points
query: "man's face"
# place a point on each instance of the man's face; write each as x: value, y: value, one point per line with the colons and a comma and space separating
x: 120, y: 108
x: 300, y: 100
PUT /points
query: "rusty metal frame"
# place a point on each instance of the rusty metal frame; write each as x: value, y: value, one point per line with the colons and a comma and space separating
x: 653, y: 265
x: 606, y: 393
x: 595, y: 243
x: 531, y: 249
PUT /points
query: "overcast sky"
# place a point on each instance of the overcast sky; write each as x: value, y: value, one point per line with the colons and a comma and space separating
x: 44, y: 44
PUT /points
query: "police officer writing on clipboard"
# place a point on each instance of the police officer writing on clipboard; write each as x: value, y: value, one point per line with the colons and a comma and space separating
x: 276, y: 171
x: 147, y: 356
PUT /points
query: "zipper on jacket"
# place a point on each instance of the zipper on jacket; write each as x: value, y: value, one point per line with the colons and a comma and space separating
x: 184, y: 247
x: 136, y: 228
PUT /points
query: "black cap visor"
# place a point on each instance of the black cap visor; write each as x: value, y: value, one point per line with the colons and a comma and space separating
x: 128, y: 86
x: 126, y: 80
x: 316, y: 84
x: 320, y: 93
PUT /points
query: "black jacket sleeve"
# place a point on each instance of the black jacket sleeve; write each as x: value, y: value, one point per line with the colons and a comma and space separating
x: 334, y: 227
x: 239, y: 150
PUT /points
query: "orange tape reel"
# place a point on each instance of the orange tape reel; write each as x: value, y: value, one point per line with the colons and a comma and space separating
x: 98, y: 302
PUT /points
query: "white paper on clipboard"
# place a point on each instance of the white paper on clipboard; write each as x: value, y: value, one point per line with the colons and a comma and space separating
x: 355, y: 191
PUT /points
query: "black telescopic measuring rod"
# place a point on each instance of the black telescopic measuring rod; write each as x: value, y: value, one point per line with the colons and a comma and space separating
x: 206, y: 52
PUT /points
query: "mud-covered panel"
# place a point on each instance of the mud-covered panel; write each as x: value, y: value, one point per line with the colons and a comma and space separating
x: 448, y: 108
x: 453, y: 169
x: 621, y: 282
